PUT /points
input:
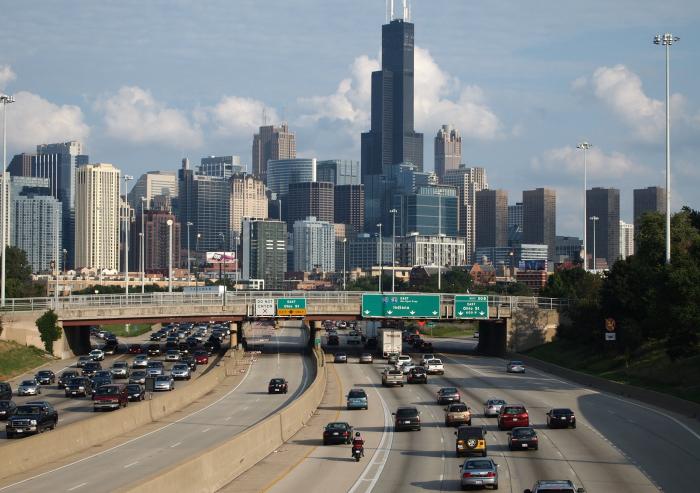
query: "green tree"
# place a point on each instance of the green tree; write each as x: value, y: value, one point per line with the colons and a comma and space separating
x: 49, y: 330
x: 18, y: 275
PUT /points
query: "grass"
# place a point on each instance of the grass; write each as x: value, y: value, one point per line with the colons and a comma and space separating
x: 119, y: 330
x: 449, y: 330
x: 16, y: 359
x: 650, y: 368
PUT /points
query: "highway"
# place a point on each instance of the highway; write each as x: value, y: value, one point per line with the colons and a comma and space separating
x: 618, y: 446
x: 244, y: 405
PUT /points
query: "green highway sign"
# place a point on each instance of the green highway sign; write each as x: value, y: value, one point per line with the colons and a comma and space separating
x: 471, y: 306
x: 401, y: 305
x: 291, y: 306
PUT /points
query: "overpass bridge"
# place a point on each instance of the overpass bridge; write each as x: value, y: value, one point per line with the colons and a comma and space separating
x: 511, y: 322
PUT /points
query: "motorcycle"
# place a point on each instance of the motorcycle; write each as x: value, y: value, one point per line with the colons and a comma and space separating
x: 357, y: 453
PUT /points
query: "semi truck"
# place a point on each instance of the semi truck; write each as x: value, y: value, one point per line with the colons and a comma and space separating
x: 390, y: 341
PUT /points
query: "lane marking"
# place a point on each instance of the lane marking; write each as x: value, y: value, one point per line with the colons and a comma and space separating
x: 175, y: 444
x: 228, y: 418
x: 130, y: 465
x: 206, y: 430
x: 77, y: 486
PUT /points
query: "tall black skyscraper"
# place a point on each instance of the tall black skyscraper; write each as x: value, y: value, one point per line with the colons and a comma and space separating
x: 391, y: 139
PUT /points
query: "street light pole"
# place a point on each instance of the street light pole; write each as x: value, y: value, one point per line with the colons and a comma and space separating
x: 127, y: 220
x: 381, y: 257
x: 345, y: 241
x: 595, y: 220
x: 584, y: 146
x: 439, y: 243
x: 170, y: 255
x: 667, y: 40
x: 393, y: 250
x: 196, y: 284
x: 143, y: 248
x: 5, y: 100
x: 188, y: 251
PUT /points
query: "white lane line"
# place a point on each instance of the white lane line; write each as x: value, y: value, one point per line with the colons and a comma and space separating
x: 76, y: 486
x: 206, y: 430
x: 130, y: 465
x: 176, y: 444
x: 245, y: 376
x: 228, y: 418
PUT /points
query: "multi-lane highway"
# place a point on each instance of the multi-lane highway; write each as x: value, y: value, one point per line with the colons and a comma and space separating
x: 242, y: 406
x: 618, y: 446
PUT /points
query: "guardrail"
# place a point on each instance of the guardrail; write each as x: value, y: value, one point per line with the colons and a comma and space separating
x: 76, y: 302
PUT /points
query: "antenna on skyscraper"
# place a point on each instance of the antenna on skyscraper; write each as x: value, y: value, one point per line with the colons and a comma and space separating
x: 264, y: 116
x: 405, y: 11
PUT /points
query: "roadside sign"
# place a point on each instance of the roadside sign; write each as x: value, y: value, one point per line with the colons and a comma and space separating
x: 401, y: 305
x: 291, y: 307
x: 472, y: 306
x: 610, y: 325
x: 265, y: 307
x: 610, y: 336
x: 317, y: 341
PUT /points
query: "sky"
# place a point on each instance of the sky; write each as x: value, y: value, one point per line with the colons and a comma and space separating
x: 144, y: 83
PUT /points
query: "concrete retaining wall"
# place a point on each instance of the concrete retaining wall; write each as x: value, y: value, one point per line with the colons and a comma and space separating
x: 221, y: 464
x: 26, y: 454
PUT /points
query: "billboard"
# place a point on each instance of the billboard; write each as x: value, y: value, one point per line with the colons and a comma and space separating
x: 532, y: 265
x: 221, y: 257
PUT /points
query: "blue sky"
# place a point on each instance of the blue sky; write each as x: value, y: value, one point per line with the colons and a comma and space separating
x: 145, y: 83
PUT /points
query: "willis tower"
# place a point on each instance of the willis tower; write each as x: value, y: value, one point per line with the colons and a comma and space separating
x: 391, y: 139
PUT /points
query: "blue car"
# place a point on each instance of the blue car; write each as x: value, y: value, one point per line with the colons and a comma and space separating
x: 357, y: 399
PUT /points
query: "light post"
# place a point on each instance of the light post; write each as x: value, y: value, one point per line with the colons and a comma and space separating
x: 5, y: 100
x: 667, y: 40
x: 196, y: 284
x: 439, y: 243
x: 584, y: 146
x: 56, y: 265
x: 127, y: 219
x: 345, y: 241
x: 595, y: 220
x: 143, y: 280
x: 393, y: 250
x: 170, y: 255
x: 142, y: 237
x: 222, y: 260
x: 188, y: 251
x: 381, y: 257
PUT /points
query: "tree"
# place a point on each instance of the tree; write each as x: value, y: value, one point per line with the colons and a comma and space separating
x: 49, y: 330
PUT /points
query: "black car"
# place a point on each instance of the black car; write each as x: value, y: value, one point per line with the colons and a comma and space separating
x: 190, y: 361
x: 5, y: 391
x: 32, y: 418
x: 523, y: 437
x: 153, y: 350
x: 277, y: 386
x: 183, y: 347
x: 99, y: 381
x: 337, y: 432
x: 89, y: 369
x: 45, y: 377
x: 7, y: 409
x: 406, y: 418
x: 78, y: 387
x: 111, y: 346
x: 136, y: 392
x: 333, y: 340
x: 64, y: 377
x: 561, y: 418
x: 371, y: 343
x: 417, y: 374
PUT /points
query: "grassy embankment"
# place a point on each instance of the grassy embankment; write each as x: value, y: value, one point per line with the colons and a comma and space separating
x: 15, y: 359
x: 649, y: 368
x: 119, y: 330
x: 453, y: 330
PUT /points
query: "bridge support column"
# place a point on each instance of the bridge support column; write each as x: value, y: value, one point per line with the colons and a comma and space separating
x: 493, y: 337
x: 236, y: 334
x: 314, y: 333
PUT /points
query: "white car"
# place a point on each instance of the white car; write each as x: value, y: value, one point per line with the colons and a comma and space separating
x: 403, y: 359
x: 406, y: 367
x: 97, y: 355
x: 492, y: 407
x: 434, y: 367
x: 425, y: 358
x: 515, y: 367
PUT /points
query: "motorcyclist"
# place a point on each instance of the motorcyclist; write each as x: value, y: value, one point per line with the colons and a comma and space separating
x: 358, y: 443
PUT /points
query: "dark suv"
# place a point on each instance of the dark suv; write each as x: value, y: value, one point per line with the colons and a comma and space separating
x: 417, y: 374
x: 5, y: 391
x: 406, y: 418
x: 32, y: 418
x: 79, y: 387
x: 561, y: 418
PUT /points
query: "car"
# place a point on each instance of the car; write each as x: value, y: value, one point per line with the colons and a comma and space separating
x: 337, y: 432
x: 135, y: 392
x: 181, y: 371
x: 111, y: 346
x: 479, y: 472
x: 100, y: 380
x: 448, y: 394
x: 64, y: 377
x: 403, y: 359
x: 172, y: 355
x: 45, y: 377
x: 157, y: 336
x: 470, y: 440
x: 406, y: 418
x: 407, y: 367
x: 333, y: 340
x: 97, y: 355
x: 82, y: 360
x: 102, y: 374
x: 371, y: 342
x: 392, y: 358
x: 184, y: 348
x: 523, y: 437
x: 31, y: 418
x: 357, y: 399
x: 512, y: 416
x: 425, y: 358
x: 155, y: 368
x: 201, y: 357
x: 90, y: 368
x: 476, y: 334
x: 515, y: 366
x: 153, y: 350
x: 164, y: 382
x: 135, y: 349
x: 138, y: 377
x: 113, y: 396
x: 554, y: 486
x: 561, y: 418
x: 457, y: 414
x: 340, y: 358
x: 140, y: 361
x: 417, y: 342
x: 434, y: 367
x: 29, y: 387
x: 7, y: 409
x: 78, y: 387
x: 277, y: 386
x: 189, y: 360
x: 492, y: 407
x: 5, y: 391
x: 366, y: 358
x: 417, y: 374
x: 120, y: 369
x: 425, y: 346
x: 392, y: 377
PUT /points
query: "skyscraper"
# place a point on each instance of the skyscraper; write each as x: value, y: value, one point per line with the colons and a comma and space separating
x: 264, y: 247
x: 626, y: 239
x: 339, y: 171
x: 282, y: 172
x: 448, y: 150
x: 310, y: 198
x: 491, y: 218
x: 430, y: 210
x: 150, y: 184
x: 349, y: 205
x: 650, y: 199
x: 272, y: 143
x: 392, y: 138
x: 468, y: 181
x: 221, y: 166
x: 97, y: 205
x: 540, y: 219
x: 314, y: 245
x: 248, y: 199
x: 603, y: 203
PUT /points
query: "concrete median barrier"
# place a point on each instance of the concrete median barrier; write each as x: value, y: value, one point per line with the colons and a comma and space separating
x: 23, y: 455
x: 221, y: 464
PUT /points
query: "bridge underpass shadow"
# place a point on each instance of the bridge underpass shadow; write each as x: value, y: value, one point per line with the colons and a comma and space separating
x: 78, y: 338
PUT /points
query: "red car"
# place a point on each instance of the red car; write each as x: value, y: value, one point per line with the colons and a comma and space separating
x: 135, y: 349
x: 201, y: 357
x: 513, y: 416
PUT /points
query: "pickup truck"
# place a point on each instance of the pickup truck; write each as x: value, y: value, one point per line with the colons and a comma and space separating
x: 392, y: 377
x: 434, y: 367
x: 32, y: 418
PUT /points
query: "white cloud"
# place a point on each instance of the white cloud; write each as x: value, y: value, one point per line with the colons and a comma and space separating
x: 238, y: 117
x: 569, y: 160
x: 7, y: 75
x: 134, y: 115
x: 33, y: 120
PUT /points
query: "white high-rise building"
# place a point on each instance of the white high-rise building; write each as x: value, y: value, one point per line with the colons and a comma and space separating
x: 248, y: 199
x: 97, y: 213
x: 151, y: 184
x: 314, y: 245
x: 468, y: 181
x: 626, y: 239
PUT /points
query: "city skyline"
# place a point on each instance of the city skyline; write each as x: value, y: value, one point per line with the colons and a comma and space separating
x: 565, y: 83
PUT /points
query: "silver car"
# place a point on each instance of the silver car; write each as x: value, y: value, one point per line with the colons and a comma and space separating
x: 366, y: 358
x: 172, y: 355
x: 29, y: 387
x: 155, y: 368
x: 479, y: 472
x: 515, y: 367
x: 97, y: 355
x: 120, y: 369
x: 164, y: 382
x: 140, y: 361
x: 139, y: 376
x: 492, y: 407
x: 340, y: 358
x: 181, y: 372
